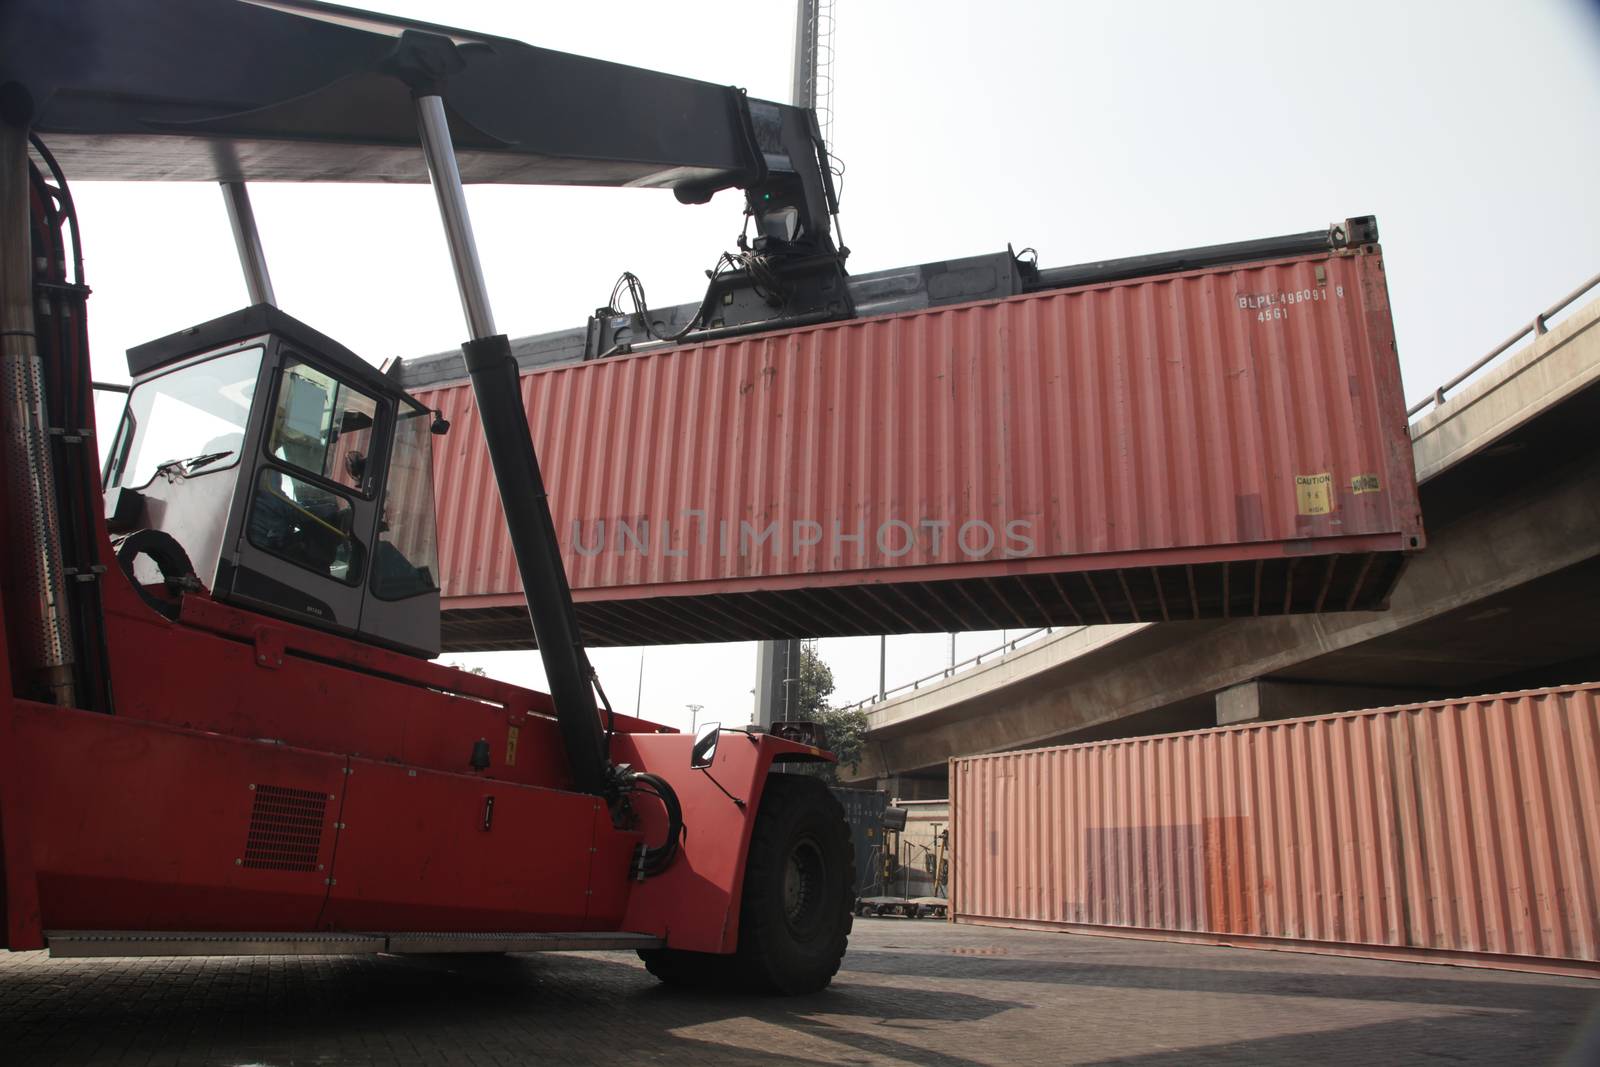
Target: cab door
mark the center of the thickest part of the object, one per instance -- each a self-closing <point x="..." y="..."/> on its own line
<point x="402" y="605"/>
<point x="304" y="520"/>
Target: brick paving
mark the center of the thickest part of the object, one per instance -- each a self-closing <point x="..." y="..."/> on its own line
<point x="911" y="992"/>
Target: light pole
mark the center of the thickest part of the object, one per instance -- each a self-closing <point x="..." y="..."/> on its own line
<point x="694" y="715"/>
<point x="883" y="665"/>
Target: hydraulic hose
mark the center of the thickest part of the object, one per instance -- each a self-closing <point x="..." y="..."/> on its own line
<point x="653" y="860"/>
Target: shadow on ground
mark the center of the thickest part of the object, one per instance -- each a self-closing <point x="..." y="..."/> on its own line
<point x="1453" y="1039"/>
<point x="513" y="1009"/>
<point x="1409" y="986"/>
<point x="952" y="997"/>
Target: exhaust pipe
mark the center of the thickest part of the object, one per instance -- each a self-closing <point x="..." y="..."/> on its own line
<point x="33" y="527"/>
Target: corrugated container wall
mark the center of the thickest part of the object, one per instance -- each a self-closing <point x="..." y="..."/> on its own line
<point x="1464" y="831"/>
<point x="1218" y="442"/>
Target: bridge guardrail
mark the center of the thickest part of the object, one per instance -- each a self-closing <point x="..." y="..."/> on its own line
<point x="1536" y="327"/>
<point x="956" y="668"/>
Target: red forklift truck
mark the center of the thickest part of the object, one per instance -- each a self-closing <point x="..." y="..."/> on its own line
<point x="220" y="729"/>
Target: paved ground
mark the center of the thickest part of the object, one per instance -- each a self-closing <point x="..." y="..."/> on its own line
<point x="911" y="992"/>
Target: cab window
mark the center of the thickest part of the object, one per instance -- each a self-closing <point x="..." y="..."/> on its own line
<point x="324" y="426"/>
<point x="305" y="524"/>
<point x="188" y="422"/>
<point x="406" y="560"/>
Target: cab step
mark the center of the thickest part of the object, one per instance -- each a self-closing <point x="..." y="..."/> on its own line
<point x="81" y="944"/>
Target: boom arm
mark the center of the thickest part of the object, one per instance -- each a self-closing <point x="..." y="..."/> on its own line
<point x="288" y="90"/>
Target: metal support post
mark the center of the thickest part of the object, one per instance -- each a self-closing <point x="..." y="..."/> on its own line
<point x="446" y="179"/>
<point x="247" y="239"/>
<point x="778" y="662"/>
<point x="803" y="72"/>
<point x="791" y="672"/>
<point x="496" y="386"/>
<point x="777" y="673"/>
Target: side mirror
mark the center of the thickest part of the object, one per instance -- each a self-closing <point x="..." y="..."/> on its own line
<point x="705" y="746"/>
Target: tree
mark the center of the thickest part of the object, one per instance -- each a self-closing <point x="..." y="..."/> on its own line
<point x="847" y="728"/>
<point x="813" y="684"/>
<point x="847" y="738"/>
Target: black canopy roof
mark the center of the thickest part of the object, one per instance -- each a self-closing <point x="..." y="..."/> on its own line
<point x="288" y="90"/>
<point x="256" y="321"/>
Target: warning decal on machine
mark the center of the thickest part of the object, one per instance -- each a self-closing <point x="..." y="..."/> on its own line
<point x="1313" y="493"/>
<point x="511" y="746"/>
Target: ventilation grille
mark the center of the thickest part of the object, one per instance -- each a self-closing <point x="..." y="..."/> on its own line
<point x="285" y="829"/>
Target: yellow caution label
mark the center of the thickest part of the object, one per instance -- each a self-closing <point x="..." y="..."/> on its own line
<point x="511" y="745"/>
<point x="1313" y="493"/>
<point x="1365" y="483"/>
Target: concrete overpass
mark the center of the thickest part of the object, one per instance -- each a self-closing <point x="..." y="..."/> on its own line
<point x="1504" y="597"/>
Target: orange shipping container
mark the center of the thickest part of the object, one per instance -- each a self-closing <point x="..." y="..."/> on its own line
<point x="1218" y="442"/>
<point x="1462" y="832"/>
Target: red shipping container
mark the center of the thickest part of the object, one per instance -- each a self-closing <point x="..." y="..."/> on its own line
<point x="1460" y="831"/>
<point x="1212" y="443"/>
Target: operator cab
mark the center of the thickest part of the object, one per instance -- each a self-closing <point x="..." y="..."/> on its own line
<point x="295" y="478"/>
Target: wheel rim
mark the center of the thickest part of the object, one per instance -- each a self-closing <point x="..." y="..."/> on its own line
<point x="805" y="879"/>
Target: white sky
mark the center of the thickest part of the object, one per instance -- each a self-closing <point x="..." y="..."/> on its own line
<point x="1086" y="130"/>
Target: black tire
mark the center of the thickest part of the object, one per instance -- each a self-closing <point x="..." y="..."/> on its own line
<point x="799" y="889"/>
<point x="796" y="910"/>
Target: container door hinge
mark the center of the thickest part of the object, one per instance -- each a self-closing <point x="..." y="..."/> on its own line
<point x="71" y="437"/>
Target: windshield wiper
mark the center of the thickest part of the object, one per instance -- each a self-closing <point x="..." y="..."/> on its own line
<point x="210" y="457"/>
<point x="189" y="466"/>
